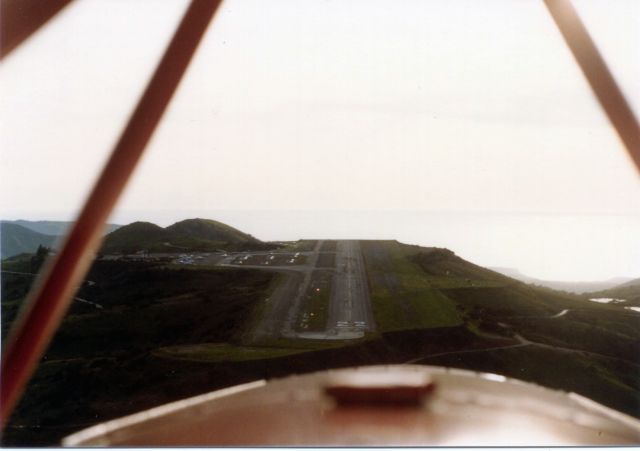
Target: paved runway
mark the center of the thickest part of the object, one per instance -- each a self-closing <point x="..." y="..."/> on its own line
<point x="350" y="312"/>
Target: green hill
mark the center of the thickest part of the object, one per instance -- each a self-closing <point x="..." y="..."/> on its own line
<point x="577" y="287"/>
<point x="135" y="237"/>
<point x="203" y="235"/>
<point x="630" y="283"/>
<point x="629" y="291"/>
<point x="412" y="287"/>
<point x="209" y="230"/>
<point x="443" y="262"/>
<point x="16" y="240"/>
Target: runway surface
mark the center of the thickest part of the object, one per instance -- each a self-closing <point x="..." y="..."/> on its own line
<point x="339" y="263"/>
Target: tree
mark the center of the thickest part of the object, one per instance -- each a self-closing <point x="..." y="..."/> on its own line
<point x="38" y="259"/>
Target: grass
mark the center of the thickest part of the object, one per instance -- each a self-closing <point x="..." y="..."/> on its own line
<point x="304" y="245"/>
<point x="429" y="308"/>
<point x="523" y="300"/>
<point x="100" y="357"/>
<point x="601" y="328"/>
<point x="401" y="293"/>
<point x="631" y="293"/>
<point x="305" y="344"/>
<point x="435" y="309"/>
<point x="223" y="352"/>
<point x="258" y="311"/>
<point x="580" y="335"/>
<point x="15" y="287"/>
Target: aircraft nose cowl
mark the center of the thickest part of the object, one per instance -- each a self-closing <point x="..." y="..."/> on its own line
<point x="391" y="389"/>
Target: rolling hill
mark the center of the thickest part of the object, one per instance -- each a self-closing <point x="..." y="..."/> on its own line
<point x="573" y="287"/>
<point x="629" y="291"/>
<point x="134" y="237"/>
<point x="188" y="235"/>
<point x="629" y="283"/>
<point x="209" y="230"/>
<point x="16" y="239"/>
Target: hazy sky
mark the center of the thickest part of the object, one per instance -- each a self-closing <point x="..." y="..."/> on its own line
<point x="310" y="104"/>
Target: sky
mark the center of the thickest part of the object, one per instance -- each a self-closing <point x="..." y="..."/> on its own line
<point x="356" y="105"/>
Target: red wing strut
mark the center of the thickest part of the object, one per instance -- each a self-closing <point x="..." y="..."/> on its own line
<point x="597" y="73"/>
<point x="19" y="19"/>
<point x="50" y="297"/>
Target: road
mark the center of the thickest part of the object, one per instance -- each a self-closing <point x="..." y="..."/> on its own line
<point x="350" y="313"/>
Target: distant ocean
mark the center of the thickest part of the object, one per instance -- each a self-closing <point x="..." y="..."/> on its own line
<point x="568" y="247"/>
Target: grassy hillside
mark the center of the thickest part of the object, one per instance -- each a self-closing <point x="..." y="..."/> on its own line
<point x="402" y="294"/>
<point x="484" y="298"/>
<point x="630" y="283"/>
<point x="592" y="348"/>
<point x="407" y="284"/>
<point x="16" y="239"/>
<point x="572" y="287"/>
<point x="444" y="269"/>
<point x="101" y="357"/>
<point x="203" y="235"/>
<point x="415" y="287"/>
<point x="136" y="236"/>
<point x="629" y="291"/>
<point x="210" y="230"/>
